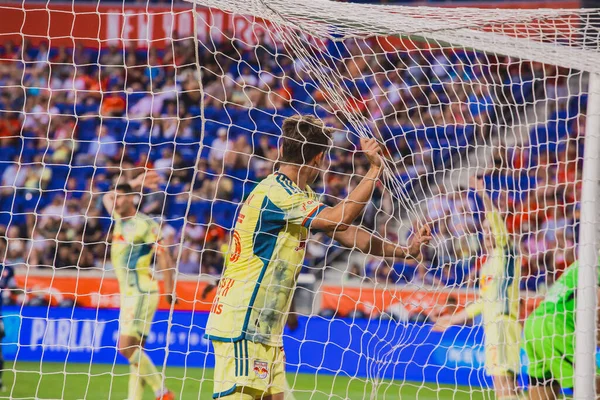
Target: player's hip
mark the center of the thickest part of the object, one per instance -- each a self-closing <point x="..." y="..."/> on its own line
<point x="140" y="299"/>
<point x="248" y="364"/>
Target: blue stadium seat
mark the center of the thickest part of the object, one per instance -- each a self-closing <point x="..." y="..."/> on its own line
<point x="223" y="213"/>
<point x="7" y="153"/>
<point x="81" y="172"/>
<point x="59" y="176"/>
<point x="134" y="97"/>
<point x="176" y="208"/>
<point x="176" y="223"/>
<point x="86" y="128"/>
<point x="116" y="126"/>
<point x="200" y="209"/>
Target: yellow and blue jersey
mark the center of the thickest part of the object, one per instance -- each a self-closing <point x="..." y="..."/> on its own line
<point x="265" y="257"/>
<point x="132" y="251"/>
<point x="499" y="276"/>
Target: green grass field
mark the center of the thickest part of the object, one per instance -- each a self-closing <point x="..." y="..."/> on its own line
<point x="80" y="381"/>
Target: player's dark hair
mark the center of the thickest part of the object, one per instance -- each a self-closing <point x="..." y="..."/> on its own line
<point x="304" y="137"/>
<point x="124" y="187"/>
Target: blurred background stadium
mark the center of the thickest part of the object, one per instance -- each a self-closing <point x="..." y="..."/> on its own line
<point x="92" y="91"/>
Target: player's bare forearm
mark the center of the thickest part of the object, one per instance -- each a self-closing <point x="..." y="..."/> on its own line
<point x="487" y="202"/>
<point x="447" y="321"/>
<point x="365" y="241"/>
<point x="108" y="201"/>
<point x="340" y="217"/>
<point x="478" y="185"/>
<point x="167" y="266"/>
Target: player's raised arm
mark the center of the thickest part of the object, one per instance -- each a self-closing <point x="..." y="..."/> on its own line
<point x="460" y="318"/>
<point x="166" y="265"/>
<point x="367" y="242"/>
<point x="148" y="179"/>
<point x="497" y="225"/>
<point x="340" y="217"/>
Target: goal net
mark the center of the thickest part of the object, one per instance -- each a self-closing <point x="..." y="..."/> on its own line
<point x="481" y="115"/>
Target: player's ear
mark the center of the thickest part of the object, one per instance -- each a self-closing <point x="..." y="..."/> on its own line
<point x="318" y="159"/>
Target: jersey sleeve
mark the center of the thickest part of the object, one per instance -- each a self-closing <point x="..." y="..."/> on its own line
<point x="299" y="208"/>
<point x="474" y="309"/>
<point x="152" y="234"/>
<point x="498" y="228"/>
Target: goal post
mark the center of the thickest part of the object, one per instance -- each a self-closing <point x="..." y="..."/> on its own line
<point x="587" y="300"/>
<point x="196" y="92"/>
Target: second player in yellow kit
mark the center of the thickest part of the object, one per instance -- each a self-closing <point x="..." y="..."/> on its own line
<point x="135" y="244"/>
<point x="132" y="253"/>
<point x="498" y="302"/>
<point x="266" y="254"/>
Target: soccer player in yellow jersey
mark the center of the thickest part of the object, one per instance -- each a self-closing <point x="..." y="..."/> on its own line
<point x="266" y="254"/>
<point x="498" y="301"/>
<point x="135" y="241"/>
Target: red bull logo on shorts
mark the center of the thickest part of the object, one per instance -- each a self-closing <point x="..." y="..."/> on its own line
<point x="261" y="369"/>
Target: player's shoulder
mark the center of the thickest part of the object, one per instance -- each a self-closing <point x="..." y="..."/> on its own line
<point x="144" y="221"/>
<point x="279" y="187"/>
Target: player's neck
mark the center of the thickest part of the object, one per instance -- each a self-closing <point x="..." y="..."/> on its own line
<point x="295" y="174"/>
<point x="128" y="214"/>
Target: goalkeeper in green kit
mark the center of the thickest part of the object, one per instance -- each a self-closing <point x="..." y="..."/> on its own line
<point x="550" y="338"/>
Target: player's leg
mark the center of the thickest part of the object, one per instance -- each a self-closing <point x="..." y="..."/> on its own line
<point x="127" y="347"/>
<point x="545" y="389"/>
<point x="131" y="346"/>
<point x="502" y="359"/>
<point x="505" y="387"/>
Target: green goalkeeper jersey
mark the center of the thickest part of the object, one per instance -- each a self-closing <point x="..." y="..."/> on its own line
<point x="559" y="302"/>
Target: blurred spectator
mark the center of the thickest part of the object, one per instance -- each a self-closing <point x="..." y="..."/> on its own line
<point x="425" y="104"/>
<point x="16" y="252"/>
<point x="164" y="164"/>
<point x="354" y="273"/>
<point x="100" y="150"/>
<point x="218" y="149"/>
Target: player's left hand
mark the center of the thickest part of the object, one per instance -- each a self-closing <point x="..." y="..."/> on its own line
<point x="148" y="179"/>
<point x="292" y="321"/>
<point x="421" y="237"/>
<point x="172" y="298"/>
<point x="372" y="151"/>
<point x="476" y="183"/>
<point x="443" y="323"/>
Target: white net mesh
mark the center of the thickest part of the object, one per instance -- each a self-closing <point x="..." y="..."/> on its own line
<point x="95" y="95"/>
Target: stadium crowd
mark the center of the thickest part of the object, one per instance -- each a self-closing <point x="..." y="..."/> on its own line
<point x="75" y="120"/>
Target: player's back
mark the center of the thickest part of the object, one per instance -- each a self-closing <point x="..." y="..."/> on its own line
<point x="266" y="254"/>
<point x="132" y="251"/>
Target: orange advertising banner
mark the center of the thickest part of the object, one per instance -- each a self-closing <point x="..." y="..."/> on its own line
<point x="373" y="301"/>
<point x="97" y="290"/>
<point x="103" y="292"/>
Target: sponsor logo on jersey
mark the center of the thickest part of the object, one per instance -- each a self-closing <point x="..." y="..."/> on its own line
<point x="236" y="248"/>
<point x="261" y="369"/>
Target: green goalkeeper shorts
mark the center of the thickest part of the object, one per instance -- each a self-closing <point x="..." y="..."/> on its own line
<point x="550" y="351"/>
